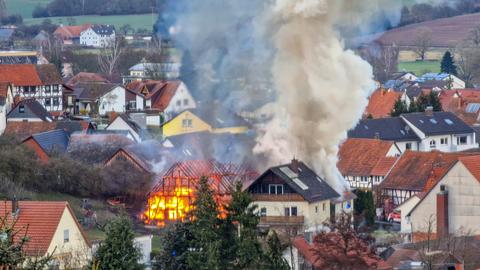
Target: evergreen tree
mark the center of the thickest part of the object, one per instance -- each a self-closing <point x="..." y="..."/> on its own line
<point x="274" y="258"/>
<point x="430" y="100"/>
<point x="413" y="107"/>
<point x="205" y="246"/>
<point x="175" y="243"/>
<point x="118" y="250"/>
<point x="241" y="212"/>
<point x="448" y="64"/>
<point x="398" y="108"/>
<point x="364" y="206"/>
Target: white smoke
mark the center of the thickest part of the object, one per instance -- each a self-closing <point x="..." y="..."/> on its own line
<point x="322" y="87"/>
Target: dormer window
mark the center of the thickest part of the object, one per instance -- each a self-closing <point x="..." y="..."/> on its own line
<point x="21" y="109"/>
<point x="433" y="144"/>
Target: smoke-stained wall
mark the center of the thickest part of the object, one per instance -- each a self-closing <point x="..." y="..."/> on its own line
<point x="289" y="51"/>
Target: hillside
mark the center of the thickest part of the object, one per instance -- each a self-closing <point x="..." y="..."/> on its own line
<point x="445" y="32"/>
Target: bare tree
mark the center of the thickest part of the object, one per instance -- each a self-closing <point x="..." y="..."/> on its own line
<point x="474" y="36"/>
<point x="384" y="60"/>
<point x="468" y="62"/>
<point x="109" y="56"/>
<point x="422" y="42"/>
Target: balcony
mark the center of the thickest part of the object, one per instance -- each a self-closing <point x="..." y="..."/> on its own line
<point x="282" y="221"/>
<point x="277" y="198"/>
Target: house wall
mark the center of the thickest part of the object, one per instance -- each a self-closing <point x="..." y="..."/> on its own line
<point x="90" y="38"/>
<point x="181" y="101"/>
<point x="144" y="244"/>
<point x="405" y="209"/>
<point x="35" y="147"/>
<point x="76" y="247"/>
<point x="140" y="102"/>
<point x="113" y="101"/>
<point x="176" y="125"/>
<point x="450" y="146"/>
<point x="463" y="203"/>
<point x="402" y="146"/>
<point x="42" y="94"/>
<point x="119" y="124"/>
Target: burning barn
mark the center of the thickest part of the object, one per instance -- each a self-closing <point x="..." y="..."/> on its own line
<point x="173" y="196"/>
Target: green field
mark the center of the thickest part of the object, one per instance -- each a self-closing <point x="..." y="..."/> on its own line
<point x="420" y="67"/>
<point x="142" y="21"/>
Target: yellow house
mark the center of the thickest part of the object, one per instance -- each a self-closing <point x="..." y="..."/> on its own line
<point x="190" y="121"/>
<point x="52" y="229"/>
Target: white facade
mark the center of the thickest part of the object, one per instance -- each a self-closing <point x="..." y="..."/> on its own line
<point x="120" y="124"/>
<point x="5" y="109"/>
<point x="113" y="101"/>
<point x="144" y="244"/>
<point x="92" y="39"/>
<point x="181" y="101"/>
<point x="50" y="96"/>
<point x="463" y="203"/>
<point x="404" y="210"/>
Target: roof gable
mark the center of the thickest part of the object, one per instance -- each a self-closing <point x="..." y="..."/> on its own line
<point x="55" y="141"/>
<point x="32" y="109"/>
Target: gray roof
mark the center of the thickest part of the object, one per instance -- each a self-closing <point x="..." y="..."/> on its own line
<point x="32" y="109"/>
<point x="306" y="183"/>
<point x="55" y="141"/>
<point x="219" y="117"/>
<point x="438" y="123"/>
<point x="92" y="91"/>
<point x="389" y="129"/>
<point x="103" y="29"/>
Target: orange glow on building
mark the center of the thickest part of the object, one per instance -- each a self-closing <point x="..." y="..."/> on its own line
<point x="173" y="197"/>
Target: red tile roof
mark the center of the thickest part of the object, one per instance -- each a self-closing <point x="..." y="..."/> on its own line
<point x="86" y="77"/>
<point x="419" y="171"/>
<point x="20" y="75"/>
<point x="22" y="130"/>
<point x="365" y="157"/>
<point x="159" y="92"/>
<point x="381" y="103"/>
<point x="473" y="165"/>
<point x="69" y="32"/>
<point x="39" y="220"/>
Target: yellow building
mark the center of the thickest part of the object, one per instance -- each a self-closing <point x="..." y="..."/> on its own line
<point x="190" y="121"/>
<point x="52" y="229"/>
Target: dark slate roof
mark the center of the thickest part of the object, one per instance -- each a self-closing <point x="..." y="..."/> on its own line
<point x="35" y="108"/>
<point x="439" y="123"/>
<point x="102" y="29"/>
<point x="70" y="126"/>
<point x="388" y="129"/>
<point x="92" y="91"/>
<point x="53" y="141"/>
<point x="219" y="117"/>
<point x="318" y="189"/>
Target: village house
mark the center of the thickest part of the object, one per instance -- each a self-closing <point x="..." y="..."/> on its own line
<point x="22" y="130"/>
<point x="364" y="163"/>
<point x="103" y="98"/>
<point x="163" y="98"/>
<point x="41" y="82"/>
<point x="414" y="173"/>
<point x="70" y="35"/>
<point x="427" y="131"/>
<point x="293" y="196"/>
<point x="29" y="110"/>
<point x="205" y="120"/>
<point x="21" y="57"/>
<point x="450" y="206"/>
<point x="453" y="82"/>
<point x="151" y="71"/>
<point x="51" y="228"/>
<point x="123" y="122"/>
<point x="464" y="103"/>
<point x="381" y="103"/>
<point x="48" y="143"/>
<point x="98" y="35"/>
<point x="6" y="103"/>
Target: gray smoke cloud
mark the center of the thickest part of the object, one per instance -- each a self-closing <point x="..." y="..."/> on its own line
<point x="291" y="52"/>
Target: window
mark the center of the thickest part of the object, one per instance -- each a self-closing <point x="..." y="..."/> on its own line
<point x="187" y="123"/>
<point x="21" y="109"/>
<point x="48" y="102"/>
<point x="462" y="140"/>
<point x="70" y="100"/>
<point x="55" y="88"/>
<point x="287" y="211"/>
<point x="48" y="90"/>
<point x="55" y="101"/>
<point x="263" y="212"/>
<point x="185" y="102"/>
<point x="179" y="103"/>
<point x="132" y="105"/>
<point x="444" y="141"/>
<point x="316" y="209"/>
<point x="324" y="206"/>
<point x="408" y="146"/>
<point x="433" y="144"/>
<point x="66" y="236"/>
<point x="293" y="211"/>
<point x="275" y="189"/>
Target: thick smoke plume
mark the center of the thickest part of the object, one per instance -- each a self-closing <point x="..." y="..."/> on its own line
<point x="296" y="47"/>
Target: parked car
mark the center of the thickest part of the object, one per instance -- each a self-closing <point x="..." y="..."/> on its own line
<point x="394" y="216"/>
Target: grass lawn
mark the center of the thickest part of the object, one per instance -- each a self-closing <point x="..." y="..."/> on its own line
<point x="420" y="67"/>
<point x="139" y="21"/>
<point x="24" y="7"/>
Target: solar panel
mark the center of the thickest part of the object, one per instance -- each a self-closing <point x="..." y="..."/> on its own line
<point x="448" y="121"/>
<point x="421" y="121"/>
<point x="472" y="108"/>
<point x="433" y="121"/>
<point x="300" y="183"/>
<point x="288" y="172"/>
<point x="403" y="132"/>
<point x="366" y="127"/>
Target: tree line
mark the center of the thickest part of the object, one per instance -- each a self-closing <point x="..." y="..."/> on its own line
<point x="94" y="7"/>
<point x="419" y="105"/>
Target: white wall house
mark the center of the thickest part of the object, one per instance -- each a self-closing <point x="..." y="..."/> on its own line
<point x="182" y="100"/>
<point x="98" y="36"/>
<point x="124" y="123"/>
<point x="6" y="103"/>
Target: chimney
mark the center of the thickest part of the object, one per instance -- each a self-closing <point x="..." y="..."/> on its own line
<point x="429" y="111"/>
<point x="442" y="212"/>
<point x="15" y="208"/>
<point x="295" y="165"/>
